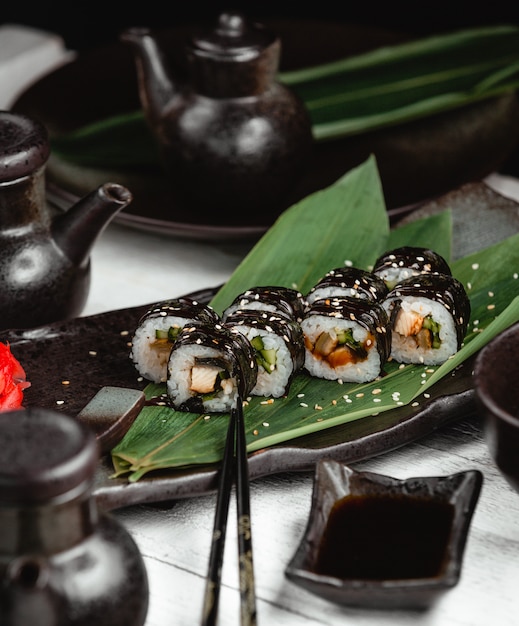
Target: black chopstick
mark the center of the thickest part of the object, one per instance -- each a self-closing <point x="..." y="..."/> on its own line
<point x="234" y="466"/>
<point x="212" y="589"/>
<point x="246" y="565"/>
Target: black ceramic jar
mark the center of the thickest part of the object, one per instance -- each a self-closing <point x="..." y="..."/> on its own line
<point x="63" y="562"/>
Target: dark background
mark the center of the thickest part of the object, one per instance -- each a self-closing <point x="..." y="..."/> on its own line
<point x="89" y="24"/>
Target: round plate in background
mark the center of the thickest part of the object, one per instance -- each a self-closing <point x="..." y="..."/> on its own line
<point x="417" y="160"/>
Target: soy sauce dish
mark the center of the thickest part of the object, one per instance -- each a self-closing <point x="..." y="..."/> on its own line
<point x="381" y="542"/>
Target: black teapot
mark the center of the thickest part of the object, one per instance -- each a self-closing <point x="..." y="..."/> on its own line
<point x="44" y="255"/>
<point x="232" y="139"/>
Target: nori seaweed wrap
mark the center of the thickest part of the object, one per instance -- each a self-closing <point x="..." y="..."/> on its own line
<point x="429" y="316"/>
<point x="279" y="345"/>
<point x="285" y="300"/>
<point x="402" y="263"/>
<point x="346" y="338"/>
<point x="209" y="367"/>
<point x="348" y="281"/>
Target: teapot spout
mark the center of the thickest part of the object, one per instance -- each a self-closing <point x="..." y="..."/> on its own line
<point x="75" y="231"/>
<point x="154" y="82"/>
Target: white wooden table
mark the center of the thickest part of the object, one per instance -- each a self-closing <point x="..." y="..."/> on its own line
<point x="132" y="268"/>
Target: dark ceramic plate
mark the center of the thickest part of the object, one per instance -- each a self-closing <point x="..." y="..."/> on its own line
<point x="92" y="352"/>
<point x="398" y="579"/>
<point x="417" y="161"/>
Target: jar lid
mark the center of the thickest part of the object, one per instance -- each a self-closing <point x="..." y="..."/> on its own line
<point x="233" y="37"/>
<point x="24" y="146"/>
<point x="44" y="456"/>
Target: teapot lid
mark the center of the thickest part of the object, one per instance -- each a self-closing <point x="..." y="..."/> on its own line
<point x="24" y="146"/>
<point x="45" y="456"/>
<point x="233" y="38"/>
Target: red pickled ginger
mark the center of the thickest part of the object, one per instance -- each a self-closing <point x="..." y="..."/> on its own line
<point x="12" y="380"/>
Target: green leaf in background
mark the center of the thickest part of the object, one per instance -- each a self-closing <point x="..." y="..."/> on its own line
<point x="388" y="86"/>
<point x="397" y="84"/>
<point x="314" y="236"/>
<point x="162" y="438"/>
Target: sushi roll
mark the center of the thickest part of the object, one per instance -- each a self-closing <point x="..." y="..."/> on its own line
<point x="407" y="261"/>
<point x="428" y="316"/>
<point x="348" y="281"/>
<point x="209" y="367"/>
<point x="156" y="332"/>
<point x="346" y="339"/>
<point x="278" y="344"/>
<point x="285" y="300"/>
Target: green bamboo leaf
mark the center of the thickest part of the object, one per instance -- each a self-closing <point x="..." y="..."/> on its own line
<point x="122" y="140"/>
<point x="314" y="405"/>
<point x="420" y="233"/>
<point x="314" y="236"/>
<point x="161" y="438"/>
<point x="466" y="43"/>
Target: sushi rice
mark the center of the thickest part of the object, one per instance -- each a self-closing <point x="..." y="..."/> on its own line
<point x="279" y="345"/>
<point x="405" y="348"/>
<point x="327" y="320"/>
<point x="149" y="353"/>
<point x="209" y="368"/>
<point x="428" y="317"/>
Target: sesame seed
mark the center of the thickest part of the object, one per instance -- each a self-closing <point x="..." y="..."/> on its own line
<point x="124" y="333"/>
<point x="65" y="382"/>
<point x="255" y="432"/>
<point x="60" y="401"/>
<point x="475" y="266"/>
<point x="303" y="404"/>
<point x="490" y="307"/>
<point x="376" y="391"/>
<point x="92" y="353"/>
<point x="317" y="407"/>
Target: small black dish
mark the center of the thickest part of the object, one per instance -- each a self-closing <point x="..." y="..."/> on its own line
<point x="497" y="397"/>
<point x="381" y="542"/>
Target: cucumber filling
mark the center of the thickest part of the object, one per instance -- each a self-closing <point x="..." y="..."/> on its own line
<point x="169" y="334"/>
<point x="265" y="357"/>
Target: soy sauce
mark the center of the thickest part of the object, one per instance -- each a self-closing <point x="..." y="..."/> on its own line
<point x="378" y="537"/>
